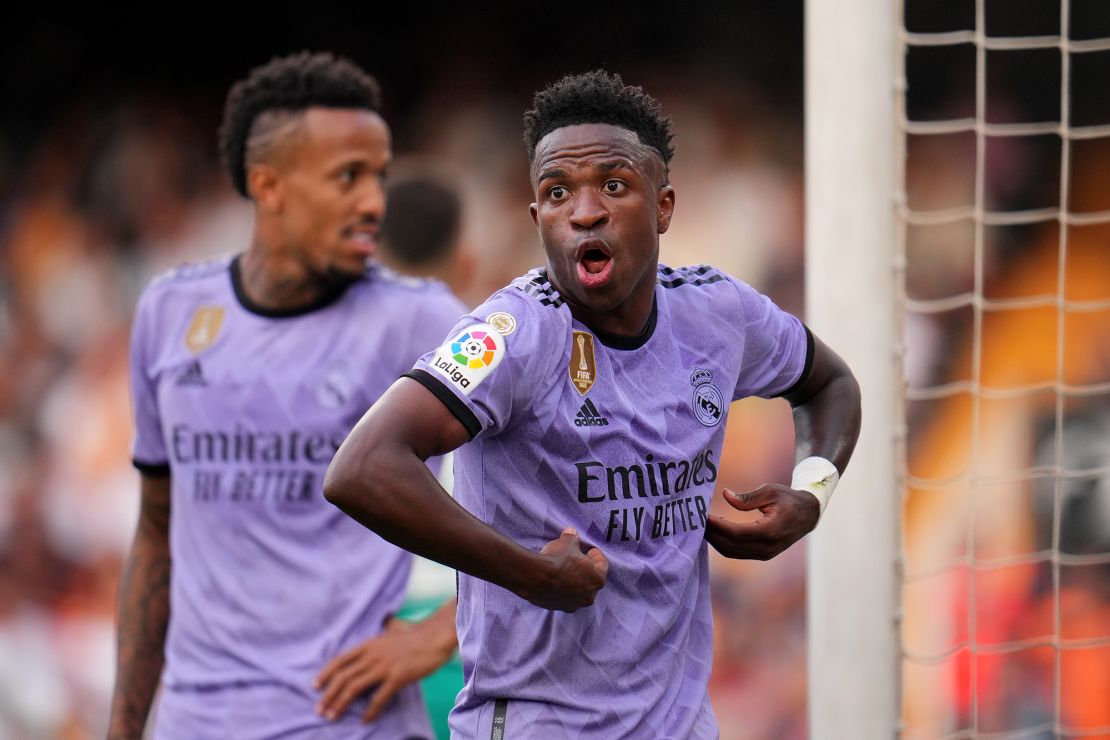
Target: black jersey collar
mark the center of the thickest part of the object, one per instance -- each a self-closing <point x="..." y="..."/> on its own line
<point x="623" y="341"/>
<point x="329" y="297"/>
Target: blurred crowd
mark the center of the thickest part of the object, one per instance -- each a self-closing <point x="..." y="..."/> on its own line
<point x="1008" y="549"/>
<point x="109" y="197"/>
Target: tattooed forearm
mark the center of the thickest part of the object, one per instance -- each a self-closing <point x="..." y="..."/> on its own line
<point x="144" y="610"/>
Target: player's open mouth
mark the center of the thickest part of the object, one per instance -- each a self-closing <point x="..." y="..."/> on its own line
<point x="365" y="239"/>
<point x="594" y="263"/>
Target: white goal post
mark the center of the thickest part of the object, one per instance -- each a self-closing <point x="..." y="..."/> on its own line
<point x="851" y="177"/>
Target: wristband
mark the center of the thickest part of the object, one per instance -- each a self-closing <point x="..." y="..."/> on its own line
<point x="818" y="476"/>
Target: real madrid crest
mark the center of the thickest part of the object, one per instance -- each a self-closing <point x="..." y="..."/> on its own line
<point x="707" y="402"/>
<point x="583" y="368"/>
<point x="204" y="329"/>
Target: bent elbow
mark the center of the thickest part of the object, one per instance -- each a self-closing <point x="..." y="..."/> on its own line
<point x="342" y="482"/>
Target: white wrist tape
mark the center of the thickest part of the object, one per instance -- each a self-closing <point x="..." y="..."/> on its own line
<point x="818" y="476"/>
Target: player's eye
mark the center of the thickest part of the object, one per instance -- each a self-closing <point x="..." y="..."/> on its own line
<point x="347" y="175"/>
<point x="614" y="186"/>
<point x="557" y="192"/>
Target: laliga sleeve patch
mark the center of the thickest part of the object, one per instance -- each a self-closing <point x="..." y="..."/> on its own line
<point x="469" y="356"/>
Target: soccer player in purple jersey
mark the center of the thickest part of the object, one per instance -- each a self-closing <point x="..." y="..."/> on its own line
<point x="260" y="609"/>
<point x="588" y="402"/>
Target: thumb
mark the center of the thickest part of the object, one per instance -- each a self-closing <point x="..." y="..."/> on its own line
<point x="749" y="501"/>
<point x="569" y="535"/>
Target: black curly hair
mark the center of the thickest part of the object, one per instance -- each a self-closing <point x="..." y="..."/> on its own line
<point x="289" y="84"/>
<point x="598" y="97"/>
<point x="422" y="221"/>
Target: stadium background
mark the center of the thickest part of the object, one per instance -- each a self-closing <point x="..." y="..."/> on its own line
<point x="109" y="174"/>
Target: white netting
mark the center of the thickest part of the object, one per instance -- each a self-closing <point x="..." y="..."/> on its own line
<point x="1004" y="219"/>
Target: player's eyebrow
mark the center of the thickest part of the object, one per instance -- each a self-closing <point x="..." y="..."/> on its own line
<point x="614" y="165"/>
<point x="549" y="174"/>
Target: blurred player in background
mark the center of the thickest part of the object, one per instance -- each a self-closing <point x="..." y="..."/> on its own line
<point x="593" y="394"/>
<point x="422" y="236"/>
<point x="261" y="609"/>
<point x="422" y="232"/>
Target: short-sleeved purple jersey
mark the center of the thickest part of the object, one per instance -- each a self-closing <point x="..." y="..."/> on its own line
<point x="244" y="408"/>
<point x="621" y="438"/>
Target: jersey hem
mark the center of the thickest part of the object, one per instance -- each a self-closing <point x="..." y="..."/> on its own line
<point x="806" y="368"/>
<point x="449" y="399"/>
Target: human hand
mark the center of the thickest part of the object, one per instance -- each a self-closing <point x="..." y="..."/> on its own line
<point x="574" y="577"/>
<point x="403" y="653"/>
<point x="787" y="516"/>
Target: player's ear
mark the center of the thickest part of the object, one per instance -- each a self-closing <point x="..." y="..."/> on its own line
<point x="265" y="187"/>
<point x="534" y="212"/>
<point x="665" y="205"/>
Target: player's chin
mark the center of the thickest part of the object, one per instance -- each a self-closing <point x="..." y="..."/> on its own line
<point x="348" y="270"/>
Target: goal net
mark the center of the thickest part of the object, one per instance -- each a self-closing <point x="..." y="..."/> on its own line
<point x="992" y="613"/>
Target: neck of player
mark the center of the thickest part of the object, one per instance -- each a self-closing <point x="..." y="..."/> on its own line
<point x="280" y="282"/>
<point x="628" y="318"/>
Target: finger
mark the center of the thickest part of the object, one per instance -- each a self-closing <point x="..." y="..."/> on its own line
<point x="597" y="557"/>
<point x="334" y="665"/>
<point x="346" y="684"/>
<point x="351" y="690"/>
<point x="749" y="501"/>
<point x="731" y="549"/>
<point x="758" y="531"/>
<point x="379" y="701"/>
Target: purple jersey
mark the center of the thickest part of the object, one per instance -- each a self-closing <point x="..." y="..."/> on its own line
<point x="244" y="408"/>
<point x="621" y="438"/>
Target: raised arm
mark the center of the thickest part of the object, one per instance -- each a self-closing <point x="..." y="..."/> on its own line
<point x="826" y="425"/>
<point x="378" y="477"/>
<point x="144" y="612"/>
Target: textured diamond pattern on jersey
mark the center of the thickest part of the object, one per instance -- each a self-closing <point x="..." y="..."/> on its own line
<point x="270" y="581"/>
<point x="632" y="467"/>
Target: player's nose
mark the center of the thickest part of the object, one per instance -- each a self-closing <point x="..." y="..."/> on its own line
<point x="371" y="199"/>
<point x="588" y="210"/>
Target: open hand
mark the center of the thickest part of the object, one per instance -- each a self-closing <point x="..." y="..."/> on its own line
<point x="574" y="577"/>
<point x="403" y="653"/>
<point x="787" y="516"/>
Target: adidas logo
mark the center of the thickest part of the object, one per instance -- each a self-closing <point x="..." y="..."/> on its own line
<point x="192" y="375"/>
<point x="589" y="416"/>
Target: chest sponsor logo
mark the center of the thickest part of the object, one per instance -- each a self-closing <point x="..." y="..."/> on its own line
<point x="650" y="498"/>
<point x="467" y="358"/>
<point x="707" y="402"/>
<point x="583" y="367"/>
<point x="244" y="466"/>
<point x="204" y="328"/>
<point x="589" y="416"/>
<point x="504" y="323"/>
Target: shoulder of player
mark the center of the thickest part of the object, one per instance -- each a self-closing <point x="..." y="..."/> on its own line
<point x="686" y="279"/>
<point x="379" y="277"/>
<point x="190" y="281"/>
<point x="525" y="325"/>
<point x="538" y="290"/>
<point x="530" y="306"/>
<point x="695" y="284"/>
<point x="422" y="294"/>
